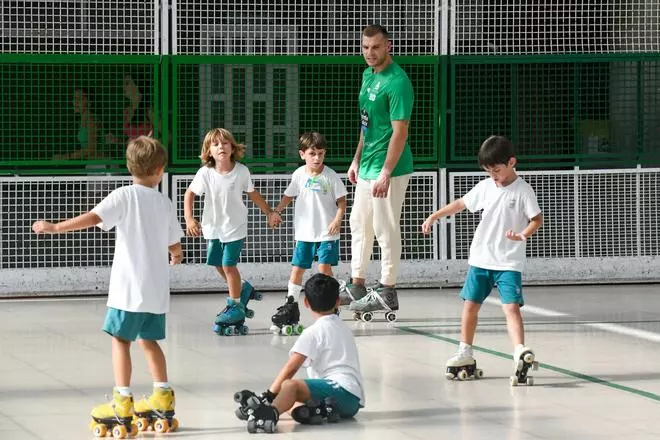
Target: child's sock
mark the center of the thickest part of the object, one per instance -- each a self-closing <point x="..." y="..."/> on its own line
<point x="161" y="385"/>
<point x="294" y="290"/>
<point x="236" y="300"/>
<point x="124" y="391"/>
<point x="463" y="347"/>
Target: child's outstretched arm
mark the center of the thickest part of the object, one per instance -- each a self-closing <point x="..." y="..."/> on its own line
<point x="192" y="225"/>
<point x="450" y="209"/>
<point x="335" y="226"/>
<point x="533" y="226"/>
<point x="83" y="221"/>
<point x="272" y="217"/>
<point x="176" y="253"/>
<point x="296" y="360"/>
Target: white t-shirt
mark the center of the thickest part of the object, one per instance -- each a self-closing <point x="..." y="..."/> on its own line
<point x="331" y="354"/>
<point x="225" y="216"/>
<point x="146" y="226"/>
<point x="509" y="207"/>
<point x="316" y="203"/>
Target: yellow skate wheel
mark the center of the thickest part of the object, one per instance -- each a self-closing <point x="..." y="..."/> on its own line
<point x="175" y="425"/>
<point x="119" y="431"/>
<point x="99" y="430"/>
<point x="142" y="424"/>
<point x="134" y="430"/>
<point x="161" y="426"/>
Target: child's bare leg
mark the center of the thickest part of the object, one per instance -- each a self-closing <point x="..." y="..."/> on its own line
<point x="233" y="278"/>
<point x="221" y="271"/>
<point x="121" y="362"/>
<point x="155" y="360"/>
<point x="469" y="321"/>
<point x="296" y="275"/>
<point x="514" y="323"/>
<point x="292" y="391"/>
<point x="325" y="269"/>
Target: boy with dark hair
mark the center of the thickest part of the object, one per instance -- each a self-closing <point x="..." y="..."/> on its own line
<point x="327" y="349"/>
<point x="511" y="215"/>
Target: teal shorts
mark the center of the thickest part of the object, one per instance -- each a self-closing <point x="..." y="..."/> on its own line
<point x="130" y="326"/>
<point x="479" y="283"/>
<point x="305" y="251"/>
<point x="347" y="404"/>
<point x="224" y="254"/>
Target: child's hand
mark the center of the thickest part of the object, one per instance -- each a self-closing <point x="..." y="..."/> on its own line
<point x="427" y="226"/>
<point x="192" y="228"/>
<point x="42" y="227"/>
<point x="273" y="219"/>
<point x="334" y="227"/>
<point x="176" y="259"/>
<point x="515" y="236"/>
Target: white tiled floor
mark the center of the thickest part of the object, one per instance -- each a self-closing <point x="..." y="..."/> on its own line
<point x="600" y="375"/>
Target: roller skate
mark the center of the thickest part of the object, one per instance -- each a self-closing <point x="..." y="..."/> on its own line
<point x="242" y="397"/>
<point x="157" y="412"/>
<point x="350" y="292"/>
<point x="286" y="319"/>
<point x="462" y="366"/>
<point x="114" y="418"/>
<point x="523" y="360"/>
<point x="247" y="293"/>
<point x="383" y="299"/>
<point x="316" y="412"/>
<point x="231" y="321"/>
<point x="261" y="417"/>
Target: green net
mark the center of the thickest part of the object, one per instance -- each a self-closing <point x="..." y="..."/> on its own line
<point x="68" y="114"/>
<point x="268" y="106"/>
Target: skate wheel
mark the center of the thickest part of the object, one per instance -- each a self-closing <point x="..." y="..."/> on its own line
<point x="269" y="426"/>
<point x="357" y="316"/>
<point x="161" y="426"/>
<point x="390" y="316"/>
<point x="287" y="330"/>
<point x="249" y="313"/>
<point x="228" y="331"/>
<point x="367" y="316"/>
<point x="243" y="330"/>
<point x="142" y="424"/>
<point x="216" y="329"/>
<point x="530" y="381"/>
<point x="175" y="425"/>
<point x="298" y="329"/>
<point x="449" y="376"/>
<point x="240" y="414"/>
<point x="528" y="358"/>
<point x="134" y="430"/>
<point x="119" y="431"/>
<point x="535" y="365"/>
<point x="258" y="296"/>
<point x="99" y="430"/>
<point x="513" y="380"/>
<point x="462" y="375"/>
<point x="478" y="373"/>
<point x="274" y="329"/>
<point x="252" y="426"/>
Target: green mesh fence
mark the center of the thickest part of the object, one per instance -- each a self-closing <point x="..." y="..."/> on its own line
<point x="267" y="106"/>
<point x="559" y="112"/>
<point x="62" y="113"/>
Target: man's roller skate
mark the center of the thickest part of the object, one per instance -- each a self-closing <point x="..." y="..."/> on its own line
<point x="316" y="412"/>
<point x="247" y="293"/>
<point x="231" y="321"/>
<point x="286" y="319"/>
<point x="242" y="397"/>
<point x="114" y="418"/>
<point x="523" y="360"/>
<point x="157" y="412"/>
<point x="350" y="292"/>
<point x="462" y="366"/>
<point x="262" y="417"/>
<point x="383" y="299"/>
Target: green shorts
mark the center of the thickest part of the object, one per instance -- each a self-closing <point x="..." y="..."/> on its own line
<point x="130" y="326"/>
<point x="224" y="254"/>
<point x="479" y="282"/>
<point x="347" y="404"/>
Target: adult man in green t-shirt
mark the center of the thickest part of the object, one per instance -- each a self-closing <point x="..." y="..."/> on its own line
<point x="381" y="169"/>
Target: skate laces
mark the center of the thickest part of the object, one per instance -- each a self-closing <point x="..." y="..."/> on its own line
<point x="160" y="414"/>
<point x="374" y="296"/>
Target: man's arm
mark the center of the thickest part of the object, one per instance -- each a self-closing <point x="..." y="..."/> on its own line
<point x="355" y="164"/>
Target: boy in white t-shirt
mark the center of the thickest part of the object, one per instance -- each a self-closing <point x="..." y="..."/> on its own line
<point x="139" y="294"/>
<point x="320" y="207"/>
<point x="327" y="349"/>
<point x="222" y="180"/>
<point x="510" y="216"/>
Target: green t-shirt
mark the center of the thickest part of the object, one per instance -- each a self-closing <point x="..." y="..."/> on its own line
<point x="384" y="97"/>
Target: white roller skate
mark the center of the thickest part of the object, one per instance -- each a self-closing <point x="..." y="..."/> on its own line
<point x="523" y="361"/>
<point x="463" y="366"/>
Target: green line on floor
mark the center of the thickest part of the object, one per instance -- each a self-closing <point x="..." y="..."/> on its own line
<point x="560" y="370"/>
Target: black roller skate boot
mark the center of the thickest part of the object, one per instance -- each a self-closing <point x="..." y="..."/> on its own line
<point x="286" y="319"/>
